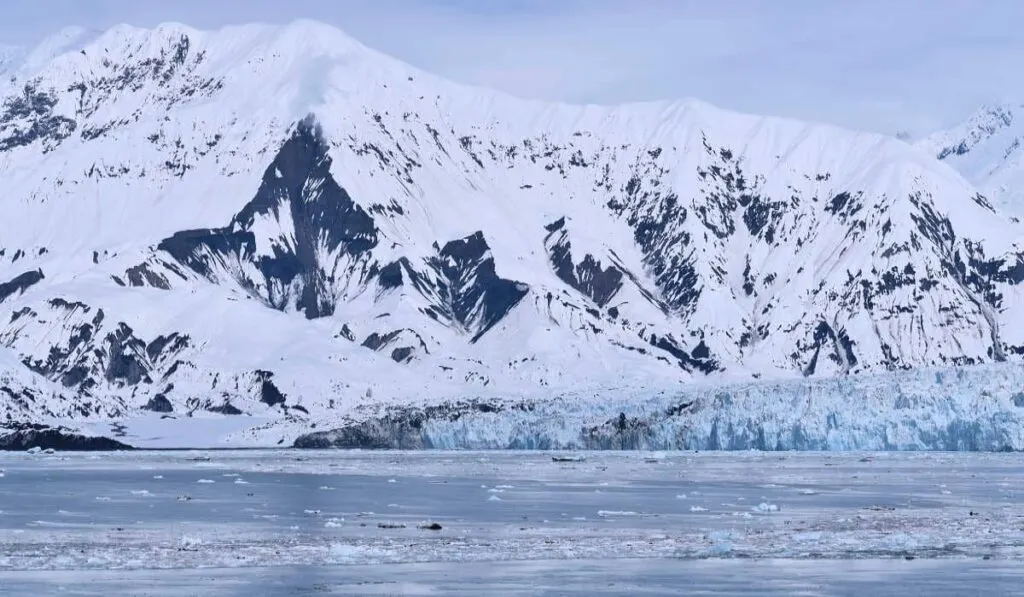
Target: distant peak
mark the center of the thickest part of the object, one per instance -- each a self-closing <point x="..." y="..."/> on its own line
<point x="987" y="122"/>
<point x="302" y="31"/>
<point x="68" y="39"/>
<point x="67" y="34"/>
<point x="313" y="26"/>
<point x="1001" y="114"/>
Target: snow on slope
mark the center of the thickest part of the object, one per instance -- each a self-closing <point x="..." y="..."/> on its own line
<point x="988" y="149"/>
<point x="281" y="223"/>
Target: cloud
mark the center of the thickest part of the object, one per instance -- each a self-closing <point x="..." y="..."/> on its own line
<point x="875" y="64"/>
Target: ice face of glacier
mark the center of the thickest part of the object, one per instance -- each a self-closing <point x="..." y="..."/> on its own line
<point x="974" y="409"/>
<point x="191" y="216"/>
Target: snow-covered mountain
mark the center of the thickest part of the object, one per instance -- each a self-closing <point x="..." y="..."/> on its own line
<point x="277" y="224"/>
<point x="988" y="150"/>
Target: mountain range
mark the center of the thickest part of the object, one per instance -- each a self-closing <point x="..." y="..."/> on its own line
<point x="272" y="228"/>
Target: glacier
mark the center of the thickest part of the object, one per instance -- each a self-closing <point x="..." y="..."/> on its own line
<point x="964" y="409"/>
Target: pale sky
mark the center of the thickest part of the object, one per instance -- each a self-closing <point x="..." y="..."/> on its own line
<point x="884" y="65"/>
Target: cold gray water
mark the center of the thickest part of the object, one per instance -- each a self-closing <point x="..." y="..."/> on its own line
<point x="477" y="523"/>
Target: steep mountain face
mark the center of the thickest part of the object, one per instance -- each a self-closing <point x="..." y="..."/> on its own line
<point x="988" y="150"/>
<point x="278" y="222"/>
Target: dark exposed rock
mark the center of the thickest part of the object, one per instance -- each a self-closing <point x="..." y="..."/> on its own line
<point x="225" y="409"/>
<point x="298" y="181"/>
<point x="19" y="283"/>
<point x="159" y="404"/>
<point x="700" y="359"/>
<point x="269" y="394"/>
<point x="126" y="363"/>
<point x="599" y="284"/>
<point x="87" y="357"/>
<point x="75" y="376"/>
<point x="461" y="285"/>
<point x="375" y="341"/>
<point x="400" y="354"/>
<point x="402" y="429"/>
<point x="390" y="276"/>
<point x="38" y="436"/>
<point x="386" y="434"/>
<point x="142" y="275"/>
<point x="837" y="344"/>
<point x="163" y="346"/>
<point x="468" y="290"/>
<point x="29" y="117"/>
<point x="657" y="218"/>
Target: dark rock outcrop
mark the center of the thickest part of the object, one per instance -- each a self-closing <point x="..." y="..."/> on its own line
<point x="322" y="216"/>
<point x="598" y="283"/>
<point x="38" y="436"/>
<point x="19" y="283"/>
<point x="159" y="404"/>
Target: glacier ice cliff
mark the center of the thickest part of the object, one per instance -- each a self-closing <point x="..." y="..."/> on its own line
<point x="964" y="409"/>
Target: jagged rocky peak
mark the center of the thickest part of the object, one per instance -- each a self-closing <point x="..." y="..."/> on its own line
<point x="988" y="150"/>
<point x="979" y="128"/>
<point x="299" y="180"/>
<point x="288" y="243"/>
<point x="74" y="46"/>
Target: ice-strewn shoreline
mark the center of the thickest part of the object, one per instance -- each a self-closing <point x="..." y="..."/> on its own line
<point x="965" y="409"/>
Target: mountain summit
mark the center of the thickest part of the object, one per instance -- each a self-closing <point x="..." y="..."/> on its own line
<point x="988" y="149"/>
<point x="282" y="223"/>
